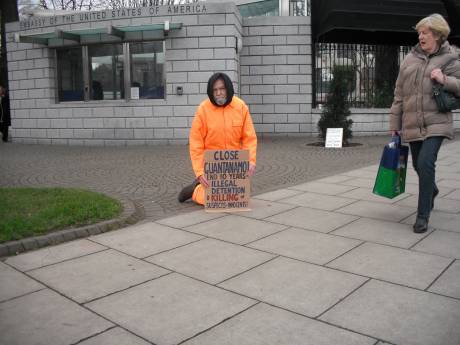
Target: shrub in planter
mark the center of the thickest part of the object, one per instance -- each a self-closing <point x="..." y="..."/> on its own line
<point x="336" y="109"/>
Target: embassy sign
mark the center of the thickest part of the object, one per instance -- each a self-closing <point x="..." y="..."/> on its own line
<point x="122" y="13"/>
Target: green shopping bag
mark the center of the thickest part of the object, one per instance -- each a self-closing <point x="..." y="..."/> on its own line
<point x="391" y="176"/>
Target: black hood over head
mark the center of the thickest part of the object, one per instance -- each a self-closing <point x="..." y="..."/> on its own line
<point x="228" y="85"/>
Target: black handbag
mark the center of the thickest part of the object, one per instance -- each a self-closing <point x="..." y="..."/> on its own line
<point x="446" y="101"/>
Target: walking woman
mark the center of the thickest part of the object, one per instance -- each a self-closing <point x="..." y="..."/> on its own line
<point x="414" y="113"/>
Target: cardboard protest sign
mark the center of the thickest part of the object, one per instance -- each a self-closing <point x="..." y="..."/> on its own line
<point x="229" y="185"/>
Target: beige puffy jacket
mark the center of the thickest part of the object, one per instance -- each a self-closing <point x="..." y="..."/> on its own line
<point x="414" y="110"/>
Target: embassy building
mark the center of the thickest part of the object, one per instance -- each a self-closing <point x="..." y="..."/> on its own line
<point x="136" y="75"/>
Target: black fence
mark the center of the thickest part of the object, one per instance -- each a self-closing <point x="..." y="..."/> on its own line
<point x="299" y="8"/>
<point x="372" y="71"/>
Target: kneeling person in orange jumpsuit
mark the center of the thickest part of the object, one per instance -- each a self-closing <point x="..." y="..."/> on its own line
<point x="222" y="122"/>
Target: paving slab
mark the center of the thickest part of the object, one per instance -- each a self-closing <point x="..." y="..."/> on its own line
<point x="310" y="219"/>
<point x="14" y="283"/>
<point x="145" y="239"/>
<point x="395" y="265"/>
<point x="443" y="243"/>
<point x="440" y="204"/>
<point x="54" y="254"/>
<point x="412" y="189"/>
<point x="362" y="173"/>
<point x="277" y="194"/>
<point x="318" y="201"/>
<point x="399" y="315"/>
<point x="449" y="282"/>
<point x="297" y="286"/>
<point x="359" y="182"/>
<point x="449" y="183"/>
<point x="236" y="229"/>
<point x="210" y="260"/>
<point x="115" y="336"/>
<point x="261" y="209"/>
<point x="440" y="220"/>
<point x="310" y="246"/>
<point x="46" y="318"/>
<point x="448" y="172"/>
<point x="96" y="275"/>
<point x="366" y="194"/>
<point x="446" y="160"/>
<point x="322" y="188"/>
<point x="266" y="325"/>
<point x="170" y="309"/>
<point x="444" y="191"/>
<point x="334" y="179"/>
<point x="377" y="210"/>
<point x="411" y="176"/>
<point x="454" y="194"/>
<point x="191" y="218"/>
<point x="379" y="231"/>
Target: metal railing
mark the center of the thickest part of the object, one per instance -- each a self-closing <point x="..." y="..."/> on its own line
<point x="371" y="71"/>
<point x="299" y="8"/>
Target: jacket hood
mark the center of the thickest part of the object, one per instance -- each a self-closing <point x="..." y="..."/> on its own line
<point x="228" y="85"/>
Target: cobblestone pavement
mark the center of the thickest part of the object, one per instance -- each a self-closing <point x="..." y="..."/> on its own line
<point x="152" y="176"/>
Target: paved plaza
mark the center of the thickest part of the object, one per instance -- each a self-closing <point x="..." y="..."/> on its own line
<point x="318" y="260"/>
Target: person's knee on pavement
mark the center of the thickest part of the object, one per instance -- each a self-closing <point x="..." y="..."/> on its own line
<point x="199" y="194"/>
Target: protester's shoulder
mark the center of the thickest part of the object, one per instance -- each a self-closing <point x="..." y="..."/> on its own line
<point x="204" y="104"/>
<point x="238" y="103"/>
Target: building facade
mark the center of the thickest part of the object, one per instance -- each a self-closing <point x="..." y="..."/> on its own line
<point x="136" y="76"/>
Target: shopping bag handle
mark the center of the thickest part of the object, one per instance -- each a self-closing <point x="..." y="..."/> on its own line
<point x="396" y="139"/>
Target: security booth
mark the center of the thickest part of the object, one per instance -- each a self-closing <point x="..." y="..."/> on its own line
<point x="107" y="63"/>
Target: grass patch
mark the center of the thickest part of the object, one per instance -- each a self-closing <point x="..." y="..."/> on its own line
<point x="26" y="212"/>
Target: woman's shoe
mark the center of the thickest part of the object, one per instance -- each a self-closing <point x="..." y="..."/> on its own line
<point x="421" y="225"/>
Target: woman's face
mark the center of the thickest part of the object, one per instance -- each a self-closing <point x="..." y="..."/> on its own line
<point x="428" y="41"/>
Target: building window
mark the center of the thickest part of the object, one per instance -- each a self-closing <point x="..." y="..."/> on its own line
<point x="104" y="72"/>
<point x="70" y="76"/>
<point x="147" y="69"/>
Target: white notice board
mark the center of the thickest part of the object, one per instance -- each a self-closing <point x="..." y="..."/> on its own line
<point x="334" y="137"/>
<point x="134" y="93"/>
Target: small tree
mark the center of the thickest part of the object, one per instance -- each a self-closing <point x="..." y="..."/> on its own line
<point x="336" y="109"/>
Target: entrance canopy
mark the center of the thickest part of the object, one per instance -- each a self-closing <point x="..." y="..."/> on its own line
<point x="379" y="22"/>
<point x="100" y="35"/>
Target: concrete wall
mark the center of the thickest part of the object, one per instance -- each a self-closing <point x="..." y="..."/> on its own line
<point x="205" y="44"/>
<point x="276" y="74"/>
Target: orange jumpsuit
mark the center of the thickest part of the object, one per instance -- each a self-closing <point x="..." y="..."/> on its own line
<point x="220" y="128"/>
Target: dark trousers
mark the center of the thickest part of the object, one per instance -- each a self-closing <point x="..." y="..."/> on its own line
<point x="424" y="156"/>
<point x="4" y="130"/>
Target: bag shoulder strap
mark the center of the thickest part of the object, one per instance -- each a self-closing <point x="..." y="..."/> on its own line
<point x="447" y="63"/>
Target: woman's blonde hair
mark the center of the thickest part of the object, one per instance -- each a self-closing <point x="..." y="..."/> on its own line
<point x="437" y="24"/>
